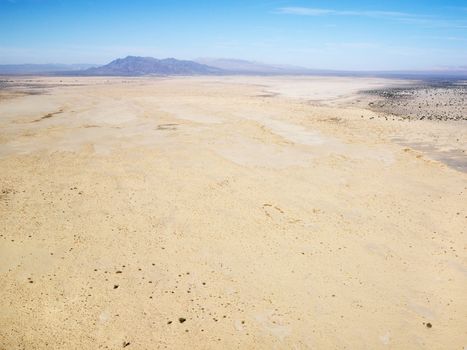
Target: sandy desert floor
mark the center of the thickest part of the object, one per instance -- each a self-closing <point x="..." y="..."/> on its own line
<point x="227" y="213"/>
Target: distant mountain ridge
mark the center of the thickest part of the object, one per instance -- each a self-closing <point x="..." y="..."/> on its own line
<point x="43" y="68"/>
<point x="147" y="66"/>
<point x="243" y="66"/>
<point x="138" y="66"/>
<point x="238" y="66"/>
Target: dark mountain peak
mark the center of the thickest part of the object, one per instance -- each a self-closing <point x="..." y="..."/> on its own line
<point x="137" y="66"/>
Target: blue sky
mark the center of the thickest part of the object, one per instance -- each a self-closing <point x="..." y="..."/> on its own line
<point x="358" y="35"/>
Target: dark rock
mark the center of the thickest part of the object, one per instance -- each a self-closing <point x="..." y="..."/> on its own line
<point x="137" y="66"/>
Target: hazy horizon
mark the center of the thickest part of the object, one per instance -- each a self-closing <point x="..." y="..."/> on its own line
<point x="338" y="35"/>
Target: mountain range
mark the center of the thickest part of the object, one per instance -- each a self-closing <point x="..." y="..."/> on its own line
<point x="244" y="66"/>
<point x="143" y="66"/>
<point x="43" y="68"/>
<point x="137" y="66"/>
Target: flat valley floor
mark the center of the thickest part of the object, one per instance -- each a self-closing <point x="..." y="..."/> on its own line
<point x="227" y="213"/>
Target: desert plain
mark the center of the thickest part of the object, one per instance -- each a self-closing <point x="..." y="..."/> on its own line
<point x="228" y="213"/>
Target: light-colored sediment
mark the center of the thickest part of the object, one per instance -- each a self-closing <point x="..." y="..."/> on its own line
<point x="265" y="220"/>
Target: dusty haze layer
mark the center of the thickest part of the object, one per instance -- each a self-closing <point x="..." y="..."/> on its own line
<point x="227" y="213"/>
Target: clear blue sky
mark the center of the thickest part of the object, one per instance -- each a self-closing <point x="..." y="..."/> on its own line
<point x="335" y="34"/>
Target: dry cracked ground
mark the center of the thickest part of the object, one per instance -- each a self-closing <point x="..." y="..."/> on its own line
<point x="227" y="213"/>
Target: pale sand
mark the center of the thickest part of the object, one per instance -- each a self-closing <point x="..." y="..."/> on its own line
<point x="265" y="222"/>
